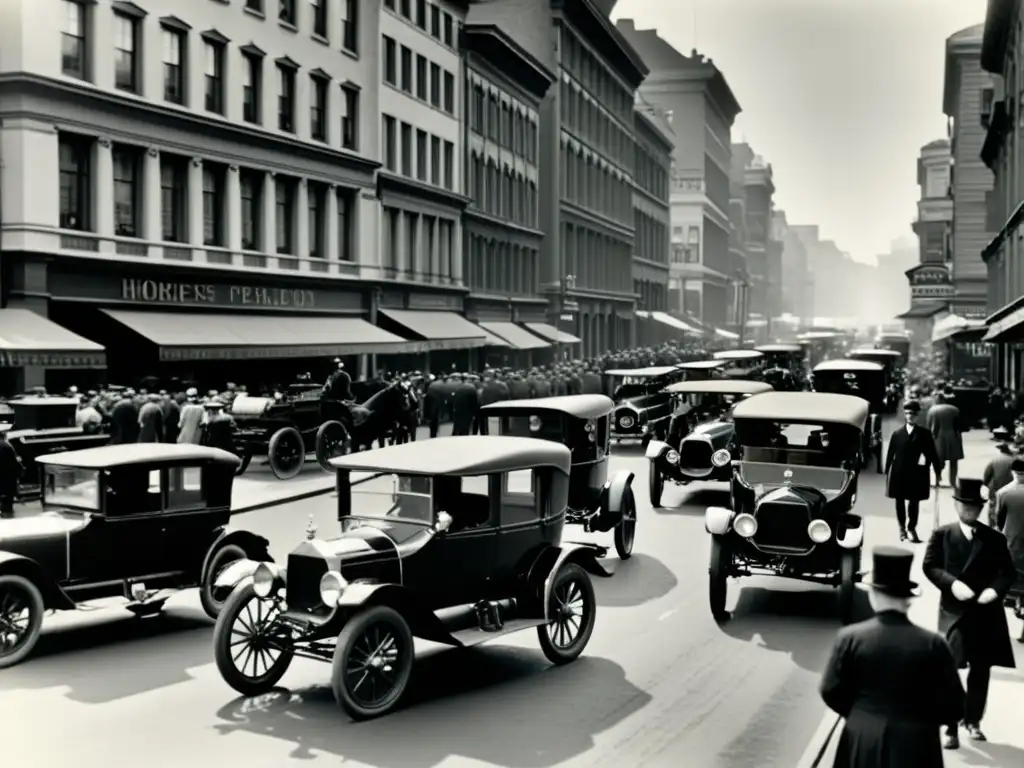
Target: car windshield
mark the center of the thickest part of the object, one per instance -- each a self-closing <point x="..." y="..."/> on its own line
<point x="820" y="445"/>
<point x="72" y="487"/>
<point x="407" y="498"/>
<point x="708" y="405"/>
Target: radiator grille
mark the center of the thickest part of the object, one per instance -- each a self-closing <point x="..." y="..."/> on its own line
<point x="695" y="454"/>
<point x="304" y="574"/>
<point x="783" y="525"/>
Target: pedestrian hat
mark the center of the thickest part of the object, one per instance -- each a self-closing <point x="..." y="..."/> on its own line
<point x="912" y="406"/>
<point x="890" y="572"/>
<point x="214" y="405"/>
<point x="968" y="491"/>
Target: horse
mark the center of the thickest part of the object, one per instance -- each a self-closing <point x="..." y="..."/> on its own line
<point x="384" y="414"/>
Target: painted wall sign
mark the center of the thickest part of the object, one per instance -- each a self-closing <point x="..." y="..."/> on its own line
<point x="168" y="292"/>
<point x="931" y="275"/>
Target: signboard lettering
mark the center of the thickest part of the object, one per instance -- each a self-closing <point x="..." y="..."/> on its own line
<point x="931" y="276"/>
<point x="174" y="293"/>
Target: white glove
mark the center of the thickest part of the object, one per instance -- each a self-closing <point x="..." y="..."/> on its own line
<point x="961" y="591"/>
<point x="987" y="596"/>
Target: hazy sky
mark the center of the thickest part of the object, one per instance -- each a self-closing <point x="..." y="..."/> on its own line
<point x="838" y="95"/>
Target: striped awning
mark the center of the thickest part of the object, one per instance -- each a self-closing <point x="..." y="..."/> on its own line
<point x="27" y="338"/>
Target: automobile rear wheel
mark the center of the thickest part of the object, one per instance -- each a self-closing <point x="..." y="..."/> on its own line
<point x="655" y="484"/>
<point x="848" y="567"/>
<point x="21" y="618"/>
<point x="286" y="453"/>
<point x="718" y="577"/>
<point x="331" y="442"/>
<point x="245" y="457"/>
<point x="211" y="597"/>
<point x="572" y="609"/>
<point x="625" y="531"/>
<point x="245" y="642"/>
<point x="372" y="662"/>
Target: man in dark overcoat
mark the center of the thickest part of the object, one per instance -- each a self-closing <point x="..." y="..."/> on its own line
<point x="10" y="473"/>
<point x="541" y="385"/>
<point x="465" y="407"/>
<point x="945" y="425"/>
<point x="124" y="419"/>
<point x="971" y="565"/>
<point x="591" y="381"/>
<point x="433" y="404"/>
<point x="492" y="390"/>
<point x="894" y="682"/>
<point x="518" y="389"/>
<point x="910" y="455"/>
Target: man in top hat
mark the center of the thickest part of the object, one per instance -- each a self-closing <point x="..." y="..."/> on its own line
<point x="910" y="454"/>
<point x="10" y="472"/>
<point x="971" y="565"/>
<point x="190" y="419"/>
<point x="894" y="682"/>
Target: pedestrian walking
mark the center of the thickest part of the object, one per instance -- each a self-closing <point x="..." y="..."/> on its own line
<point x="124" y="419"/>
<point x="910" y="454"/>
<point x="997" y="473"/>
<point x="151" y="420"/>
<point x="945" y="424"/>
<point x="971" y="566"/>
<point x="894" y="682"/>
<point x="10" y="472"/>
<point x="1009" y="519"/>
<point x="190" y="419"/>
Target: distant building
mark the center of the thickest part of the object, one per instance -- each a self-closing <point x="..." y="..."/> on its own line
<point x="753" y="180"/>
<point x="843" y="288"/>
<point x="797" y="283"/>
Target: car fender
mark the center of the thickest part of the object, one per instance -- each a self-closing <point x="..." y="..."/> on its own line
<point x="256" y="547"/>
<point x="616" y="488"/>
<point x="580" y="554"/>
<point x="54" y="598"/>
<point x="423" y="622"/>
<point x="853" y="536"/>
<point x="656" y="449"/>
<point x="717" y="520"/>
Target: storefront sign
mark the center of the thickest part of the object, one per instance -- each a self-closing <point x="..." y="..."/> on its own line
<point x="181" y="294"/>
<point x="931" y="281"/>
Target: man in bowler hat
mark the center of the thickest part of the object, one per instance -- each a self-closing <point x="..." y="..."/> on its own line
<point x="907" y="461"/>
<point x="971" y="565"/>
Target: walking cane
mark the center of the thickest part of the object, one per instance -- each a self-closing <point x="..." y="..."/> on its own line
<point x="824" y="745"/>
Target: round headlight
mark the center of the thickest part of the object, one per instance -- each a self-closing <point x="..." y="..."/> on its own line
<point x="721" y="457"/>
<point x="672" y="457"/>
<point x="626" y="422"/>
<point x="535" y="423"/>
<point x="745" y="525"/>
<point x="263" y="580"/>
<point x="591" y="425"/>
<point x="819" y="531"/>
<point x="332" y="584"/>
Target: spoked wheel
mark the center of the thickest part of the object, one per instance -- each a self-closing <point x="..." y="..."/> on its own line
<point x="247" y="642"/>
<point x="848" y="567"/>
<point x="718" y="577"/>
<point x="625" y="531"/>
<point x="21" y="619"/>
<point x="572" y="610"/>
<point x="286" y="453"/>
<point x="372" y="662"/>
<point x="331" y="442"/>
<point x="655" y="485"/>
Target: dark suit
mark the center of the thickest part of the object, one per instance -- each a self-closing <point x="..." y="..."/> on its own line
<point x="541" y="387"/>
<point x="124" y="422"/>
<point x="465" y="406"/>
<point x="171" y="419"/>
<point x="433" y="404"/>
<point x="491" y="392"/>
<point x="906" y="478"/>
<point x="977" y="634"/>
<point x="151" y="423"/>
<point x="896" y="684"/>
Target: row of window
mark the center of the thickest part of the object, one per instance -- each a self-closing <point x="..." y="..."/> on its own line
<point x="501" y="268"/>
<point x="650" y="172"/>
<point x="653" y="296"/>
<point x="418" y="246"/>
<point x="590" y="183"/>
<point x="599" y="262"/>
<point x="650" y="237"/>
<point x="428" y="17"/>
<point x="79" y="189"/>
<point x="288" y="15"/>
<point x="411" y="157"/>
<point x="577" y="59"/>
<point x="502" y="192"/>
<point x="415" y="75"/>
<point x="500" y="118"/>
<point x="588" y="121"/>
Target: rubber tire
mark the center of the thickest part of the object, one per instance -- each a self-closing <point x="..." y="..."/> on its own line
<point x="354" y="627"/>
<point x="719" y="564"/>
<point x="222" y="654"/>
<point x="274" y="446"/>
<point x="849" y="564"/>
<point x="246" y="458"/>
<point x="655" y="485"/>
<point x="321" y="435"/>
<point x="220" y="559"/>
<point x="571" y="571"/>
<point x="623" y="543"/>
<point x="36" y="607"/>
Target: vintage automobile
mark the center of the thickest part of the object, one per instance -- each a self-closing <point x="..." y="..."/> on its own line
<point x="702" y="370"/>
<point x="865" y="380"/>
<point x="45" y="424"/>
<point x="890" y="360"/>
<point x="701" y="442"/>
<point x="793" y="495"/>
<point x="822" y="345"/>
<point x="784" y="366"/>
<point x="898" y="342"/>
<point x="641" y="406"/>
<point x="740" y="363"/>
<point x="456" y="540"/>
<point x="580" y="422"/>
<point x="137" y="521"/>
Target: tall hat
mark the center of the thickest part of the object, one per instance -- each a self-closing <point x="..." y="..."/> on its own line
<point x="968" y="491"/>
<point x="890" y="572"/>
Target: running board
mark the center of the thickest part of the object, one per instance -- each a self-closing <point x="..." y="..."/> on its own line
<point x="467" y="638"/>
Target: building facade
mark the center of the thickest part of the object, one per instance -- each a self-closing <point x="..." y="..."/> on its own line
<point x="753" y="188"/>
<point x="971" y="182"/>
<point x="797" y="282"/>
<point x="703" y="108"/>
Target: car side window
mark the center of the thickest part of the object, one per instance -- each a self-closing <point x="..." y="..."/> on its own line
<point x="519" y="497"/>
<point x="184" y="488"/>
<point x="132" y="491"/>
<point x="466" y="499"/>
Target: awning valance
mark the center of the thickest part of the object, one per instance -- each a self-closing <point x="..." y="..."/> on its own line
<point x="186" y="336"/>
<point x="921" y="311"/>
<point x="724" y="334"/>
<point x="552" y="334"/>
<point x="1007" y="328"/>
<point x="672" y="322"/>
<point x="27" y="338"/>
<point x="953" y="324"/>
<point x="439" y="330"/>
<point x="517" y="338"/>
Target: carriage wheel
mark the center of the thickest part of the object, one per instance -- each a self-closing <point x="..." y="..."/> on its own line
<point x="286" y="453"/>
<point x="331" y="442"/>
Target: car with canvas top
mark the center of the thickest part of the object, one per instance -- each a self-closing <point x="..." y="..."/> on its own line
<point x="642" y="409"/>
<point x="864" y="379"/>
<point x="740" y="363"/>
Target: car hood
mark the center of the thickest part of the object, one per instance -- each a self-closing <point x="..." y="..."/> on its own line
<point x="718" y="432"/>
<point x="45" y="525"/>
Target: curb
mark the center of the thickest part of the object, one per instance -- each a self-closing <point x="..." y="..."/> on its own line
<point x="281" y="500"/>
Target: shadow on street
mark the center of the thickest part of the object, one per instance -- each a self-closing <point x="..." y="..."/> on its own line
<point x="638" y="580"/>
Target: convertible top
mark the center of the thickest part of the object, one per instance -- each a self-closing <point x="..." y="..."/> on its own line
<point x="804" y="407"/>
<point x="128" y="454"/>
<point x="848" y="365"/>
<point x="701" y="365"/>
<point x="738" y="354"/>
<point x="580" y="406"/>
<point x="792" y="348"/>
<point x="652" y="372"/>
<point x="463" y="455"/>
<point x="720" y="387"/>
<point x="873" y="351"/>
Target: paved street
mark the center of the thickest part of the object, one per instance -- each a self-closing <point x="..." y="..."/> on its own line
<point x="660" y="685"/>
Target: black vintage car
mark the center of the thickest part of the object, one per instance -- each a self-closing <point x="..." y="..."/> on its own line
<point x="702" y="370"/>
<point x="580" y="422"/>
<point x="891" y="361"/>
<point x="822" y="345"/>
<point x="45" y="424"/>
<point x="793" y="495"/>
<point x="457" y="540"/>
<point x="701" y="443"/>
<point x="865" y="380"/>
<point x="741" y="363"/>
<point x="136" y="521"/>
<point x="785" y="367"/>
<point x="642" y="408"/>
<point x="898" y="342"/>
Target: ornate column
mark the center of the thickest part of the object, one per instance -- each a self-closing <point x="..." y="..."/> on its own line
<point x="151" y="224"/>
<point x="268" y="236"/>
<point x="302" y="238"/>
<point x="332" y="237"/>
<point x="195" y="203"/>
<point x="103" y="187"/>
<point x="233" y="210"/>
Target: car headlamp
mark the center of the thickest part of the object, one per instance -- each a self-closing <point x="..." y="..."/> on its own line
<point x="745" y="525"/>
<point x="332" y="584"/>
<point x="672" y="457"/>
<point x="819" y="531"/>
<point x="535" y="423"/>
<point x="263" y="580"/>
<point x="591" y="425"/>
<point x="721" y="457"/>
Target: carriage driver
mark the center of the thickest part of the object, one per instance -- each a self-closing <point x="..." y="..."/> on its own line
<point x="339" y="385"/>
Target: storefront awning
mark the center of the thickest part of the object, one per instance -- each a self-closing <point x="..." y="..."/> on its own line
<point x="439" y="330"/>
<point x="27" y="338"/>
<point x="1007" y="328"/>
<point x="921" y="311"/>
<point x="517" y="338"/>
<point x="184" y="336"/>
<point x="724" y="334"/>
<point x="552" y="334"/>
<point x="672" y="322"/>
<point x="951" y="325"/>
